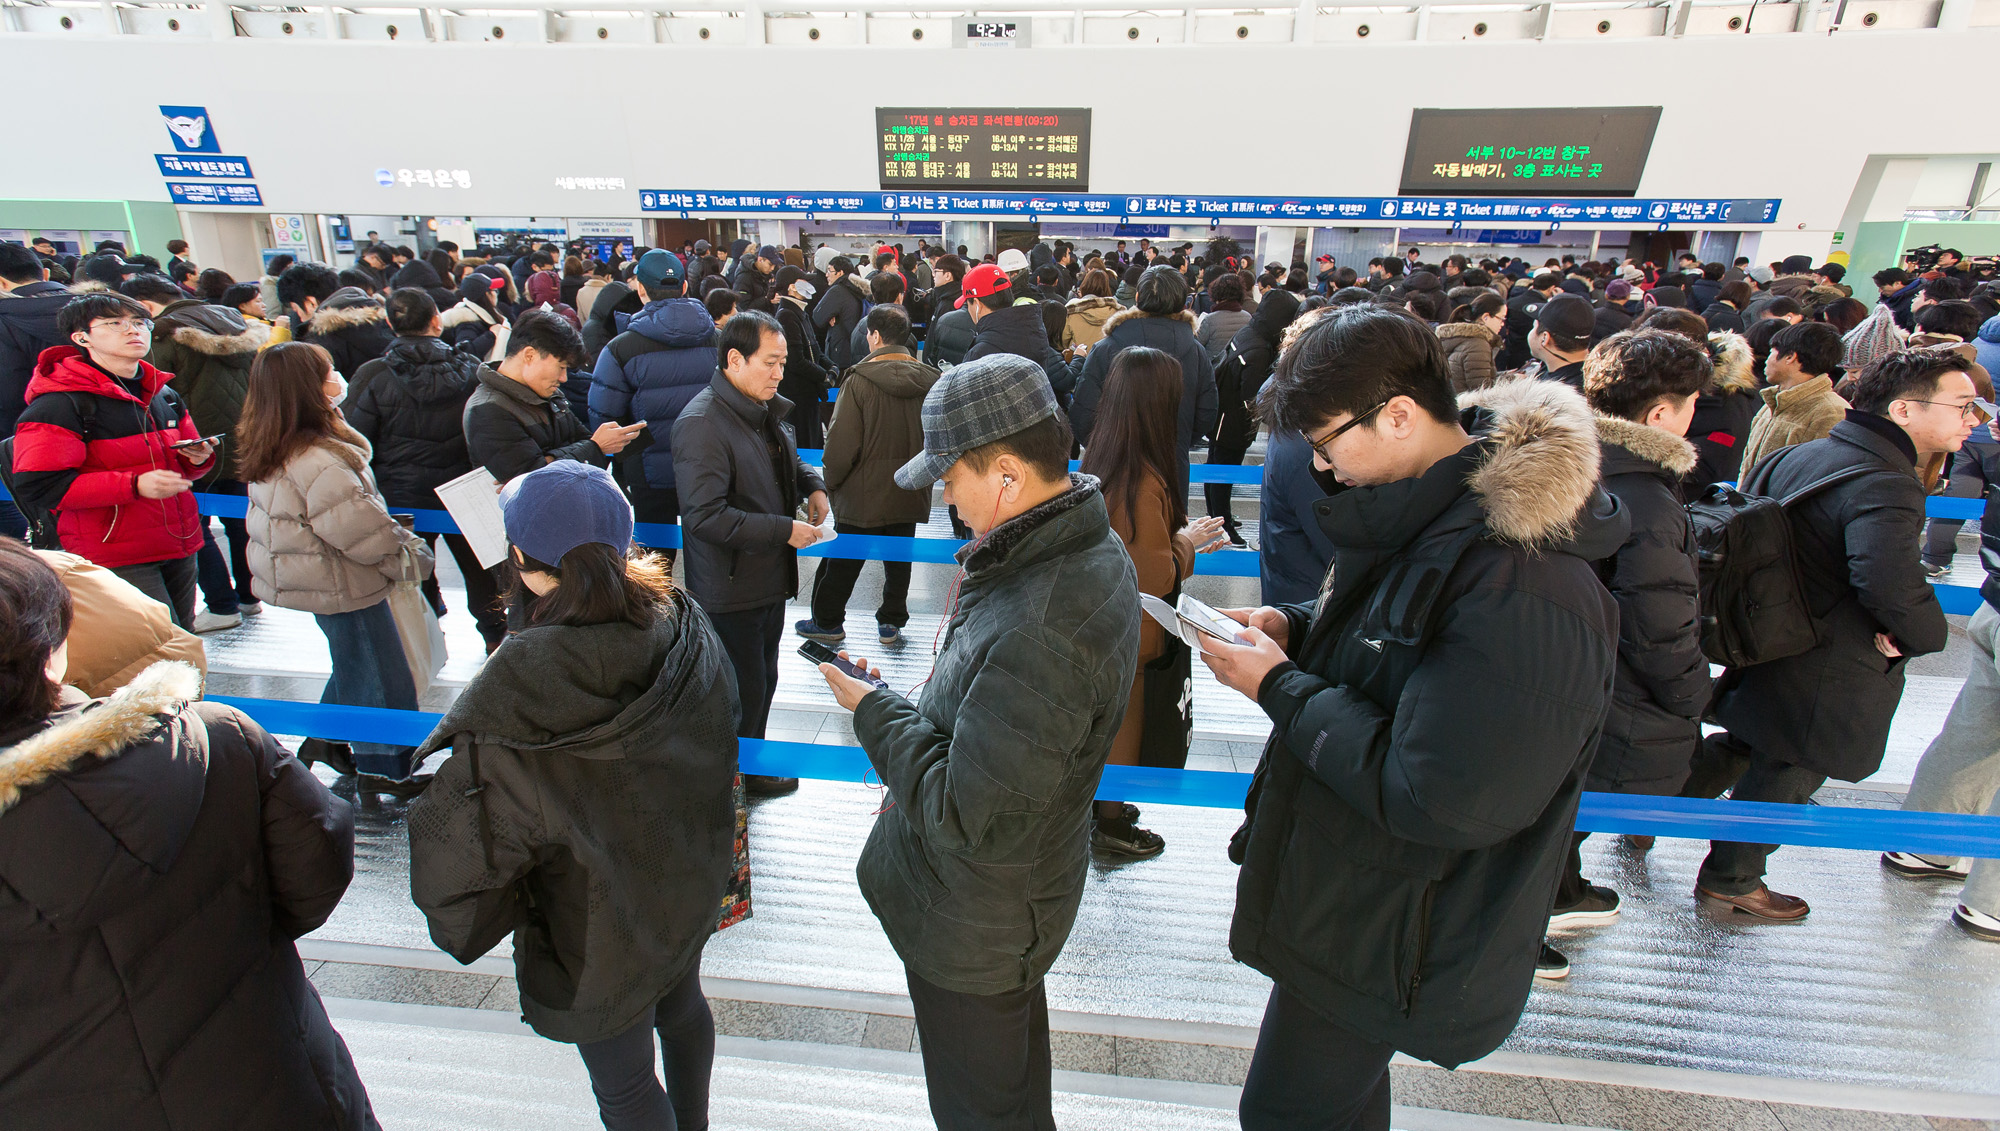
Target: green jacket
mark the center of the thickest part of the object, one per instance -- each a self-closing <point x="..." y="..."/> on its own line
<point x="209" y="349"/>
<point x="977" y="866"/>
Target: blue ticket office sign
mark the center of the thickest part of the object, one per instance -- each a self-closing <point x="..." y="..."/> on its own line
<point x="197" y="192"/>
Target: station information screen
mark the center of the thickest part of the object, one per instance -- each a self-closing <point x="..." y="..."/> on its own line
<point x="1564" y="151"/>
<point x="999" y="150"/>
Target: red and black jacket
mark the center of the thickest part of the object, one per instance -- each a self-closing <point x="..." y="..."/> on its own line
<point x="80" y="447"/>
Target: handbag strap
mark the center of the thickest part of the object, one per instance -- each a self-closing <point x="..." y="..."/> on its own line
<point x="462" y="743"/>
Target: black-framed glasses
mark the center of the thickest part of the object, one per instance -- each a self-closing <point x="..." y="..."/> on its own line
<point x="1319" y="445"/>
<point x="1974" y="410"/>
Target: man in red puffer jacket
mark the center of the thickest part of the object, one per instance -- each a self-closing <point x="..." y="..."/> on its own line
<point x="96" y="445"/>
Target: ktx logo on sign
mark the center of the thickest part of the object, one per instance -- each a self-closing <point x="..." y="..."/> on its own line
<point x="189" y="127"/>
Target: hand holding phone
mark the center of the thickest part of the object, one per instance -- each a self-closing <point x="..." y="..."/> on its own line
<point x="183" y="445"/>
<point x="821" y="654"/>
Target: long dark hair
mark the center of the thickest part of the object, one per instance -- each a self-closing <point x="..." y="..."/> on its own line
<point x="35" y="612"/>
<point x="596" y="585"/>
<point x="286" y="411"/>
<point x="1137" y="431"/>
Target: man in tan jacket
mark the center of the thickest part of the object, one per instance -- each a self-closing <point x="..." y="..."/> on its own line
<point x="1799" y="402"/>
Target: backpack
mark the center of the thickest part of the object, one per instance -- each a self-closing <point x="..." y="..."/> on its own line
<point x="42" y="521"/>
<point x="1753" y="602"/>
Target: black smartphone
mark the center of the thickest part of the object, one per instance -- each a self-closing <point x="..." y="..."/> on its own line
<point x="198" y="440"/>
<point x="821" y="654"/>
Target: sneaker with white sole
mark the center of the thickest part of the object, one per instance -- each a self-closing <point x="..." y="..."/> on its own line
<point x="1977" y="923"/>
<point x="811" y="631"/>
<point x="1551" y="964"/>
<point x="251" y="608"/>
<point x="1913" y="867"/>
<point x="206" y="621"/>
<point x="890" y="636"/>
<point x="1597" y="905"/>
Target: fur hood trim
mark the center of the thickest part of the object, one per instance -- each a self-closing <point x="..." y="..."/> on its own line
<point x="1729" y="352"/>
<point x="327" y="319"/>
<point x="1133" y="314"/>
<point x="1451" y="330"/>
<point x="1089" y="302"/>
<point x="1650" y="444"/>
<point x="1300" y="325"/>
<point x="252" y="338"/>
<point x="351" y="446"/>
<point x="88" y="286"/>
<point x="115" y="724"/>
<point x="465" y="311"/>
<point x="1540" y="463"/>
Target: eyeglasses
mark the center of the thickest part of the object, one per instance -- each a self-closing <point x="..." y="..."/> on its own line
<point x="1319" y="446"/>
<point x="1972" y="410"/>
<point x="143" y="325"/>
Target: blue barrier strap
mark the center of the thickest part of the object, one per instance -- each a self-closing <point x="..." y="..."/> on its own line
<point x="1251" y="474"/>
<point x="1938" y="506"/>
<point x="1940" y="834"/>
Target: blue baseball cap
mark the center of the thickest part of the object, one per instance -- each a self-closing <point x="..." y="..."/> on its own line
<point x="554" y="509"/>
<point x="659" y="266"/>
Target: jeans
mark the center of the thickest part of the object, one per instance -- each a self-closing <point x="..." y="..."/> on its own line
<point x="370" y="670"/>
<point x="482" y="589"/>
<point x="986" y="1057"/>
<point x="629" y="1096"/>
<point x="834" y="583"/>
<point x="1309" y="1074"/>
<point x="224" y="595"/>
<point x="1960" y="772"/>
<point x="752" y="638"/>
<point x="170" y="582"/>
<point x="1722" y="762"/>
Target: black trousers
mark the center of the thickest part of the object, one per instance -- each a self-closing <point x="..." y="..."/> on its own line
<point x="482" y="588"/>
<point x="1725" y="761"/>
<point x="986" y="1057"/>
<point x="834" y="583"/>
<point x="629" y="1096"/>
<point x="657" y="504"/>
<point x="171" y="583"/>
<point x="213" y="570"/>
<point x="752" y="638"/>
<point x="1309" y="1074"/>
<point x="1233" y="434"/>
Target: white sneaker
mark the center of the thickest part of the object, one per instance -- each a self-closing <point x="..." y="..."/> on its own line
<point x="1977" y="923"/>
<point x="206" y="621"/>
<point x="251" y="608"/>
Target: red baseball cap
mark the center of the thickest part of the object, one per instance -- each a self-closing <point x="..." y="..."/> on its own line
<point x="1326" y="259"/>
<point x="983" y="281"/>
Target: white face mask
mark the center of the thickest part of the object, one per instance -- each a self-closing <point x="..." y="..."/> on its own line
<point x="340" y="388"/>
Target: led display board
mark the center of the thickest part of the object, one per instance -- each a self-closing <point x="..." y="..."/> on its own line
<point x="922" y="148"/>
<point x="1562" y="151"/>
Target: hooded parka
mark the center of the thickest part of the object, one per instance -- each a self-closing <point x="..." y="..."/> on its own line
<point x="158" y="858"/>
<point x="208" y="349"/>
<point x="352" y="327"/>
<point x="1083" y="322"/>
<point x="650" y="372"/>
<point x="1468" y="354"/>
<point x="1414" y="805"/>
<point x="409" y="404"/>
<point x="877" y="427"/>
<point x="1723" y="414"/>
<point x="321" y="539"/>
<point x="587" y="809"/>
<point x="1171" y="334"/>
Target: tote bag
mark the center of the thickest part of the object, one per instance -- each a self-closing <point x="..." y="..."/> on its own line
<point x="423" y="638"/>
<point x="1166" y="702"/>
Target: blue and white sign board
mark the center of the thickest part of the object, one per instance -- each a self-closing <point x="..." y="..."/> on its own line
<point x="1448" y="211"/>
<point x="199" y="192"/>
<point x="208" y="168"/>
<point x="190" y="129"/>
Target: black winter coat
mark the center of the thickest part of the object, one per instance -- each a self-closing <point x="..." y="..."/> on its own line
<point x="352" y="327"/>
<point x="1610" y="318"/>
<point x="1411" y="813"/>
<point x="1721" y="317"/>
<point x="1828" y="709"/>
<point x="1663" y="684"/>
<point x="1022" y="331"/>
<point x="741" y="481"/>
<point x="511" y="431"/>
<point x="410" y="404"/>
<point x="157" y="859"/>
<point x="421" y="275"/>
<point x="1521" y="310"/>
<point x="615" y="299"/>
<point x="949" y="336"/>
<point x="601" y="758"/>
<point x="1172" y="335"/>
<point x="27" y="327"/>
<point x="834" y="319"/>
<point x="1723" y="414"/>
<point x="1701" y="293"/>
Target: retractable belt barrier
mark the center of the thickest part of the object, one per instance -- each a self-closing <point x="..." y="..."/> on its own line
<point x="1818" y="826"/>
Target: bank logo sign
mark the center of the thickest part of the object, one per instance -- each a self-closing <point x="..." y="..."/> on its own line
<point x="188" y="126"/>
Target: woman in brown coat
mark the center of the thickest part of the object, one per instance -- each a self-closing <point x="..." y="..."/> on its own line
<point x="1470" y="339"/>
<point x="1134" y="453"/>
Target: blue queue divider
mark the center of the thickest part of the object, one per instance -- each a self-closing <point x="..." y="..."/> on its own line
<point x="1251" y="474"/>
<point x="1877" y="830"/>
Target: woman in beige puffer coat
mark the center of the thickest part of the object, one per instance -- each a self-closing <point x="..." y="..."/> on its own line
<point x="322" y="541"/>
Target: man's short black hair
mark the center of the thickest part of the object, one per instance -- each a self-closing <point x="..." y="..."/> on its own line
<point x="841" y="264"/>
<point x="550" y="334"/>
<point x="1713" y="271"/>
<point x="1956" y="317"/>
<point x="157" y="288"/>
<point x="1910" y="374"/>
<point x="81" y="311"/>
<point x="238" y="294"/>
<point x="1890" y="277"/>
<point x="1944" y="288"/>
<point x="885" y="286"/>
<point x="541" y="259"/>
<point x="359" y="280"/>
<point x="891" y="324"/>
<point x="720" y="301"/>
<point x="411" y="310"/>
<point x="1778" y="306"/>
<point x="1816" y="345"/>
<point x="1043" y="446"/>
<point x="279" y="264"/>
<point x="1834" y="272"/>
<point x="1629" y="372"/>
<point x="180" y="270"/>
<point x="744" y="334"/>
<point x="1355" y="358"/>
<point x="302" y="281"/>
<point x="19" y="264"/>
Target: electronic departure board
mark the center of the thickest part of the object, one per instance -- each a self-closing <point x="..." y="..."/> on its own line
<point x="924" y="147"/>
<point x="1565" y="151"/>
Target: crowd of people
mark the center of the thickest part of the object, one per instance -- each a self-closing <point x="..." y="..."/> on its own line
<point x="1484" y="487"/>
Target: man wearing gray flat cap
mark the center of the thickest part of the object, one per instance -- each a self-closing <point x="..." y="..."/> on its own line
<point x="977" y="864"/>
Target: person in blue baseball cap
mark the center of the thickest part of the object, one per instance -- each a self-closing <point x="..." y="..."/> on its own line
<point x="592" y="770"/>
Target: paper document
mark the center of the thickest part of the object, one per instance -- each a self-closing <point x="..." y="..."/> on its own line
<point x="1191" y="621"/>
<point x="473" y="500"/>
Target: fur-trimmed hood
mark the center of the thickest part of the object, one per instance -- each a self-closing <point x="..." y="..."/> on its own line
<point x="351" y="446"/>
<point x="1653" y="445"/>
<point x="1730" y="353"/>
<point x="218" y="331"/>
<point x="103" y="730"/>
<point x="1091" y="302"/>
<point x="1450" y="330"/>
<point x="1133" y="314"/>
<point x="345" y="308"/>
<point x="1539" y="468"/>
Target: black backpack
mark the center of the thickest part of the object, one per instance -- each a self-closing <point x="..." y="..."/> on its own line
<point x="1753" y="602"/>
<point x="42" y="521"/>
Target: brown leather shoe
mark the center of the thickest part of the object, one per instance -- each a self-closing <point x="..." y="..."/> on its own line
<point x="1762" y="903"/>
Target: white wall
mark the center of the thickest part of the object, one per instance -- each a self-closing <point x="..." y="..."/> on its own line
<point x="317" y="119"/>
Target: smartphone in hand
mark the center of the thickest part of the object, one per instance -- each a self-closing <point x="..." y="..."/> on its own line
<point x="821" y="654"/>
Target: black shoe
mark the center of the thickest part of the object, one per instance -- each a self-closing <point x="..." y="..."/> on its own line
<point x="1235" y="532"/>
<point x="1639" y="842"/>
<point x="1551" y="965"/>
<point x="339" y="755"/>
<point x="758" y="785"/>
<point x="1598" y="905"/>
<point x="1120" y="837"/>
<point x="403" y="788"/>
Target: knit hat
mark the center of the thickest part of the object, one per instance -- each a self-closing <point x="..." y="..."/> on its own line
<point x="558" y="507"/>
<point x="1877" y="335"/>
<point x="972" y="405"/>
